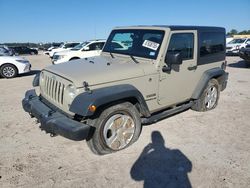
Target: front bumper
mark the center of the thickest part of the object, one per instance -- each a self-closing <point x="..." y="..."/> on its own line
<point x="24" y="68"/>
<point x="52" y="121"/>
<point x="232" y="52"/>
<point x="58" y="61"/>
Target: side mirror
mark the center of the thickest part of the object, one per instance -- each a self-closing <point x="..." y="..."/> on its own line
<point x="172" y="58"/>
<point x="86" y="48"/>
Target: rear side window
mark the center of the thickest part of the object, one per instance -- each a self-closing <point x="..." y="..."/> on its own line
<point x="96" y="46"/>
<point x="71" y="45"/>
<point x="211" y="43"/>
<point x="184" y="43"/>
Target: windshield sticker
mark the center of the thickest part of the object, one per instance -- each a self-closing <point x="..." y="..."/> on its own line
<point x="152" y="53"/>
<point x="150" y="44"/>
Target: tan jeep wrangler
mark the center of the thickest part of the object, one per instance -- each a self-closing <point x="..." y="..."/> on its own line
<point x="144" y="74"/>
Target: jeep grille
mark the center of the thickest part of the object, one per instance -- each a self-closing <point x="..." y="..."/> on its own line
<point x="53" y="87"/>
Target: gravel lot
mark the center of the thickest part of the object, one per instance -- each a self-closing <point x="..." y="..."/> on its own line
<point x="209" y="149"/>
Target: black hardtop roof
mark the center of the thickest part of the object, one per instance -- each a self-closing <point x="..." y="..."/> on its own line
<point x="182" y="27"/>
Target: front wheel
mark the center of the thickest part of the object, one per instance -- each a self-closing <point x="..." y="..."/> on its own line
<point x="209" y="98"/>
<point x="116" y="128"/>
<point x="8" y="71"/>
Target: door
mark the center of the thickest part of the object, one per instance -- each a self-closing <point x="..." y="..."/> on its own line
<point x="177" y="85"/>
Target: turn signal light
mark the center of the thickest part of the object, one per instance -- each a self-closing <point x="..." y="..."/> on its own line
<point x="92" y="108"/>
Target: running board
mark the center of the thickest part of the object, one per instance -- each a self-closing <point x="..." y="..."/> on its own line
<point x="166" y="113"/>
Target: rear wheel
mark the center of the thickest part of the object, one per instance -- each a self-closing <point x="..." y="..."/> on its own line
<point x="8" y="71"/>
<point x="209" y="98"/>
<point x="117" y="127"/>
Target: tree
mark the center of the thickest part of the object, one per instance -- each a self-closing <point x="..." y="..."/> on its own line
<point x="232" y="32"/>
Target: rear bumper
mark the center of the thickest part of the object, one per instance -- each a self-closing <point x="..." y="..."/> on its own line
<point x="52" y="121"/>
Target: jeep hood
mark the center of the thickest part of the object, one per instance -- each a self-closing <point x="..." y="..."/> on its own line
<point x="97" y="70"/>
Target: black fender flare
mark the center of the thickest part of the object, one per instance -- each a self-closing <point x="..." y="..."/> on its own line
<point x="217" y="73"/>
<point x="106" y="95"/>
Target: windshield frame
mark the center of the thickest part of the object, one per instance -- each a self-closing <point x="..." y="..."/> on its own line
<point x="136" y="30"/>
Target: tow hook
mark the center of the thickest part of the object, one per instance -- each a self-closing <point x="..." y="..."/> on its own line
<point x="31" y="115"/>
<point x="52" y="135"/>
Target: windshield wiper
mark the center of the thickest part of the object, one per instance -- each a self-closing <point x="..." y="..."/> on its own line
<point x="132" y="57"/>
<point x="111" y="55"/>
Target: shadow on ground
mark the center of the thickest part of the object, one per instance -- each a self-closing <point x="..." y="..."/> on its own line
<point x="159" y="166"/>
<point x="240" y="64"/>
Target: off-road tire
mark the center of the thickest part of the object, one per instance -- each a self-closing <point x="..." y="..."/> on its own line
<point x="200" y="104"/>
<point x="97" y="142"/>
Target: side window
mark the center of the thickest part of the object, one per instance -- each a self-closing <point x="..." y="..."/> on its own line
<point x="96" y="46"/>
<point x="101" y="44"/>
<point x="184" y="43"/>
<point x="211" y="43"/>
<point x="70" y="45"/>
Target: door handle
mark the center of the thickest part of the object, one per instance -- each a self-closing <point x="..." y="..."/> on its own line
<point x="192" y="67"/>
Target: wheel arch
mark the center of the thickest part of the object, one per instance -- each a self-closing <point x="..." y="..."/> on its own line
<point x="74" y="58"/>
<point x="108" y="96"/>
<point x="216" y="73"/>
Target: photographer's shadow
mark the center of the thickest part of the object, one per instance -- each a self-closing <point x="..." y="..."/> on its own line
<point x="159" y="166"/>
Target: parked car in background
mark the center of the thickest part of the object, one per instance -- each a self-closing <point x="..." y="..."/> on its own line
<point x="10" y="67"/>
<point x="54" y="46"/>
<point x="235" y="45"/>
<point x="63" y="47"/>
<point x="24" y="50"/>
<point x="245" y="53"/>
<point x="83" y="50"/>
<point x="5" y="51"/>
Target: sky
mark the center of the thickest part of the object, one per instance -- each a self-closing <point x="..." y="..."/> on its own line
<point x="80" y="20"/>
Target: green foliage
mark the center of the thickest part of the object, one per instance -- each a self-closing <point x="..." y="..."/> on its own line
<point x="235" y="32"/>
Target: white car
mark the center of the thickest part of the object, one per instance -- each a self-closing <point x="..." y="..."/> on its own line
<point x="235" y="45"/>
<point x="63" y="47"/>
<point x="12" y="66"/>
<point x="83" y="50"/>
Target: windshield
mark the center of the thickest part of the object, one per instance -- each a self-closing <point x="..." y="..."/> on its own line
<point x="135" y="42"/>
<point x="237" y="41"/>
<point x="80" y="46"/>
